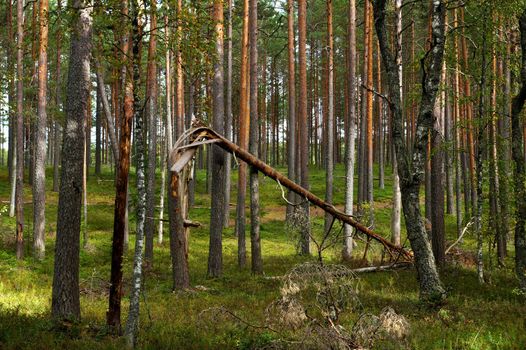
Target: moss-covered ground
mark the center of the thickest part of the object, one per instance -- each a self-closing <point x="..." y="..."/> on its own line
<point x="489" y="316"/>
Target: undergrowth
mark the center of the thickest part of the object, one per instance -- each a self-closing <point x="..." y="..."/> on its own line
<point x="489" y="316"/>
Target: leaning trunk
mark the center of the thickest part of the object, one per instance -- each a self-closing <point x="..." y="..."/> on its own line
<point x="411" y="164"/>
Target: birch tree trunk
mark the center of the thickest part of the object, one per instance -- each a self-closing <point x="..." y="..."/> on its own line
<point x="12" y="197"/>
<point x="167" y="128"/>
<point x="132" y="324"/>
<point x="397" y="195"/>
<point x="151" y="119"/>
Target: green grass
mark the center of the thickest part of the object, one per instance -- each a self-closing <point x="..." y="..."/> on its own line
<point x="474" y="317"/>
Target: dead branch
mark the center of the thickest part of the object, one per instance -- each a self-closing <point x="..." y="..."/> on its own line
<point x="460" y="237"/>
<point x="190" y="223"/>
<point x="390" y="267"/>
<point x="196" y="136"/>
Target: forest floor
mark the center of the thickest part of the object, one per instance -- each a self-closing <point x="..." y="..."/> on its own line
<point x="489" y="316"/>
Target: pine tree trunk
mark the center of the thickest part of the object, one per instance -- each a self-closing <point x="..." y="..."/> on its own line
<point x="460" y="170"/>
<point x="437" y="189"/>
<point x="262" y="105"/>
<point x="478" y="203"/>
<point x="58" y="105"/>
<point x="504" y="150"/>
<point x="303" y="145"/>
<point x="244" y="126"/>
<point x="470" y="125"/>
<point x="291" y="144"/>
<point x="85" y="185"/>
<point x="177" y="199"/>
<point x="380" y="127"/>
<point x="120" y="221"/>
<point x="369" y="107"/>
<point x="65" y="301"/>
<point x="190" y="114"/>
<point x="494" y="193"/>
<point x="88" y="138"/>
<point x="39" y="166"/>
<point x="11" y="146"/>
<point x="228" y="115"/>
<point x="519" y="173"/>
<point x="215" y="254"/>
<point x="329" y="149"/>
<point x="20" y="132"/>
<point x="160" y="234"/>
<point x="362" y="149"/>
<point x="110" y="126"/>
<point x="255" y="244"/>
<point x="98" y="127"/>
<point x="12" y="197"/>
<point x="448" y="153"/>
<point x="32" y="96"/>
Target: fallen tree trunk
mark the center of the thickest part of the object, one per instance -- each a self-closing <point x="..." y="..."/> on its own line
<point x="391" y="267"/>
<point x="180" y="156"/>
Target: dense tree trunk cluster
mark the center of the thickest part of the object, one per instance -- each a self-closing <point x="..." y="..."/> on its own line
<point x="408" y="97"/>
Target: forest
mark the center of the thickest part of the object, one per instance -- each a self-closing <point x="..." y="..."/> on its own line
<point x="272" y="174"/>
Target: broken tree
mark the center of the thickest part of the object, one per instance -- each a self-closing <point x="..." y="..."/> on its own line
<point x="201" y="135"/>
